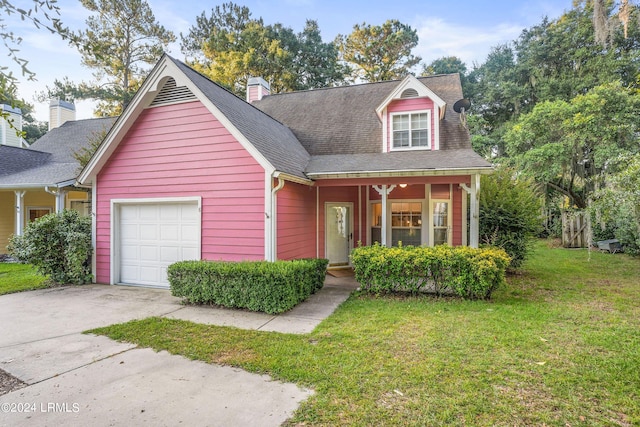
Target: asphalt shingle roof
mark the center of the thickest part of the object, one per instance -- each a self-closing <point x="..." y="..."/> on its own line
<point x="271" y="138"/>
<point x="49" y="160"/>
<point x="343" y="120"/>
<point x="396" y="161"/>
<point x="339" y="127"/>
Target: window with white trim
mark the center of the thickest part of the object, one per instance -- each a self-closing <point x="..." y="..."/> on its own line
<point x="411" y="130"/>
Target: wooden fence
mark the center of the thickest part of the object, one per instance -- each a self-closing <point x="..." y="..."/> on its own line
<point x="575" y="229"/>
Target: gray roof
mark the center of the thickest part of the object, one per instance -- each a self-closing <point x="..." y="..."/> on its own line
<point x="49" y="160"/>
<point x="271" y="138"/>
<point x="343" y="120"/>
<point x="399" y="161"/>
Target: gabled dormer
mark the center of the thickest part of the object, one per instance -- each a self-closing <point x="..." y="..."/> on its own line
<point x="410" y="117"/>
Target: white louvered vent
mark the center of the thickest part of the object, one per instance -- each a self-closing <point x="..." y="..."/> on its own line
<point x="409" y="93"/>
<point x="172" y="94"/>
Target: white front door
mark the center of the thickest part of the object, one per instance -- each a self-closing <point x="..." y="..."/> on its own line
<point x="338" y="233"/>
<point x="440" y="222"/>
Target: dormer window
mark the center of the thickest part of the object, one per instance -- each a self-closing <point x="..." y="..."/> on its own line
<point x="411" y="130"/>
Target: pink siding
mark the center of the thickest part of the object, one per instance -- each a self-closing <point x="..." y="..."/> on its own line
<point x="409" y="105"/>
<point x="296" y="218"/>
<point x="440" y="191"/>
<point x="415" y="191"/>
<point x="178" y="151"/>
<point x="456" y="205"/>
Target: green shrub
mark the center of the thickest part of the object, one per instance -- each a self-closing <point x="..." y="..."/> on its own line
<point x="467" y="272"/>
<point x="58" y="245"/>
<point x="616" y="207"/>
<point x="270" y="287"/>
<point x="510" y="214"/>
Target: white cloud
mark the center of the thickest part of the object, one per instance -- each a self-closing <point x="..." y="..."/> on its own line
<point x="440" y="38"/>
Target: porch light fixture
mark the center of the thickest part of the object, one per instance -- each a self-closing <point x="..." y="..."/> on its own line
<point x="403" y="185"/>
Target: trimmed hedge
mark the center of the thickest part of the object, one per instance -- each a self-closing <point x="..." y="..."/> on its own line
<point x="269" y="287"/>
<point x="466" y="272"/>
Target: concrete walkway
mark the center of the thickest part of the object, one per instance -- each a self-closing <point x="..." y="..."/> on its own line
<point x="76" y="379"/>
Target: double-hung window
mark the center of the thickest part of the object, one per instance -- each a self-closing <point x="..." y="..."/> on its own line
<point x="411" y="130"/>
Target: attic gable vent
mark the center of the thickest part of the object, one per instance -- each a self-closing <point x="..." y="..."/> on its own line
<point x="409" y="93"/>
<point x="172" y="94"/>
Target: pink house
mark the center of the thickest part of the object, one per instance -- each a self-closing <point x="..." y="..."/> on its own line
<point x="190" y="171"/>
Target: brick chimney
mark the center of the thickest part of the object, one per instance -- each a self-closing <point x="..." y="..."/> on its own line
<point x="59" y="112"/>
<point x="257" y="88"/>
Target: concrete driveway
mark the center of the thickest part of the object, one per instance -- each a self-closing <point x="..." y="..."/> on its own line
<point x="76" y="379"/>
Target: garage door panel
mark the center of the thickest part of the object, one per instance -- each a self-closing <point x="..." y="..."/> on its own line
<point x="190" y="254"/>
<point x="148" y="211"/>
<point x="189" y="232"/>
<point x="128" y="213"/>
<point x="148" y="231"/>
<point x="129" y="252"/>
<point x="148" y="253"/>
<point x="169" y="254"/>
<point x="187" y="214"/>
<point x="170" y="232"/>
<point x="153" y="236"/>
<point x="170" y="212"/>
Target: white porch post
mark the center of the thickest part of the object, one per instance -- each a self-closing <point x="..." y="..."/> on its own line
<point x="19" y="211"/>
<point x="384" y="195"/>
<point x="60" y="201"/>
<point x="474" y="226"/>
<point x="384" y="191"/>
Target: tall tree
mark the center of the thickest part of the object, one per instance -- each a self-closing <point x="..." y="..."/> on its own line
<point x="121" y="40"/>
<point x="379" y="52"/>
<point x="553" y="60"/>
<point x="230" y="46"/>
<point x="445" y="65"/>
<point x="568" y="146"/>
<point x="43" y="14"/>
<point x="449" y="65"/>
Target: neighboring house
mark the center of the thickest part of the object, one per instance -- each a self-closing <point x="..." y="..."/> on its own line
<point x="41" y="179"/>
<point x="190" y="171"/>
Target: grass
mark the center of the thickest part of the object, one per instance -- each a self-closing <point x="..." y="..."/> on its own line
<point x="560" y="345"/>
<point x="19" y="277"/>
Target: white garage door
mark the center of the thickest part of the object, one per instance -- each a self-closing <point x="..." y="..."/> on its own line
<point x="154" y="235"/>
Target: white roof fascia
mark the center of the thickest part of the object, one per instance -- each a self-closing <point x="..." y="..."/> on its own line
<point x="402" y="173"/>
<point x="410" y="82"/>
<point x="292" y="178"/>
<point x="164" y="69"/>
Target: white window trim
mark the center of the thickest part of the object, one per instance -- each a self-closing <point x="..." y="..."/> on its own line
<point x="75" y="199"/>
<point x="449" y="219"/>
<point x="35" y="208"/>
<point x="389" y="227"/>
<point x="410" y="113"/>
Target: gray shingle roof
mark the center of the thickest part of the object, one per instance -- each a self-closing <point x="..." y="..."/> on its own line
<point x="49" y="160"/>
<point x="343" y="120"/>
<point x="401" y="161"/>
<point x="271" y="138"/>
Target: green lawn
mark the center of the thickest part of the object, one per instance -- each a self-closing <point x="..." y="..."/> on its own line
<point x="559" y="346"/>
<point x="19" y="277"/>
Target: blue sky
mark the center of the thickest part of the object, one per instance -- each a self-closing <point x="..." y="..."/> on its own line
<point x="464" y="28"/>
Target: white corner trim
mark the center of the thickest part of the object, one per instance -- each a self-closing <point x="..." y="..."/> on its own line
<point x="94" y="227"/>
